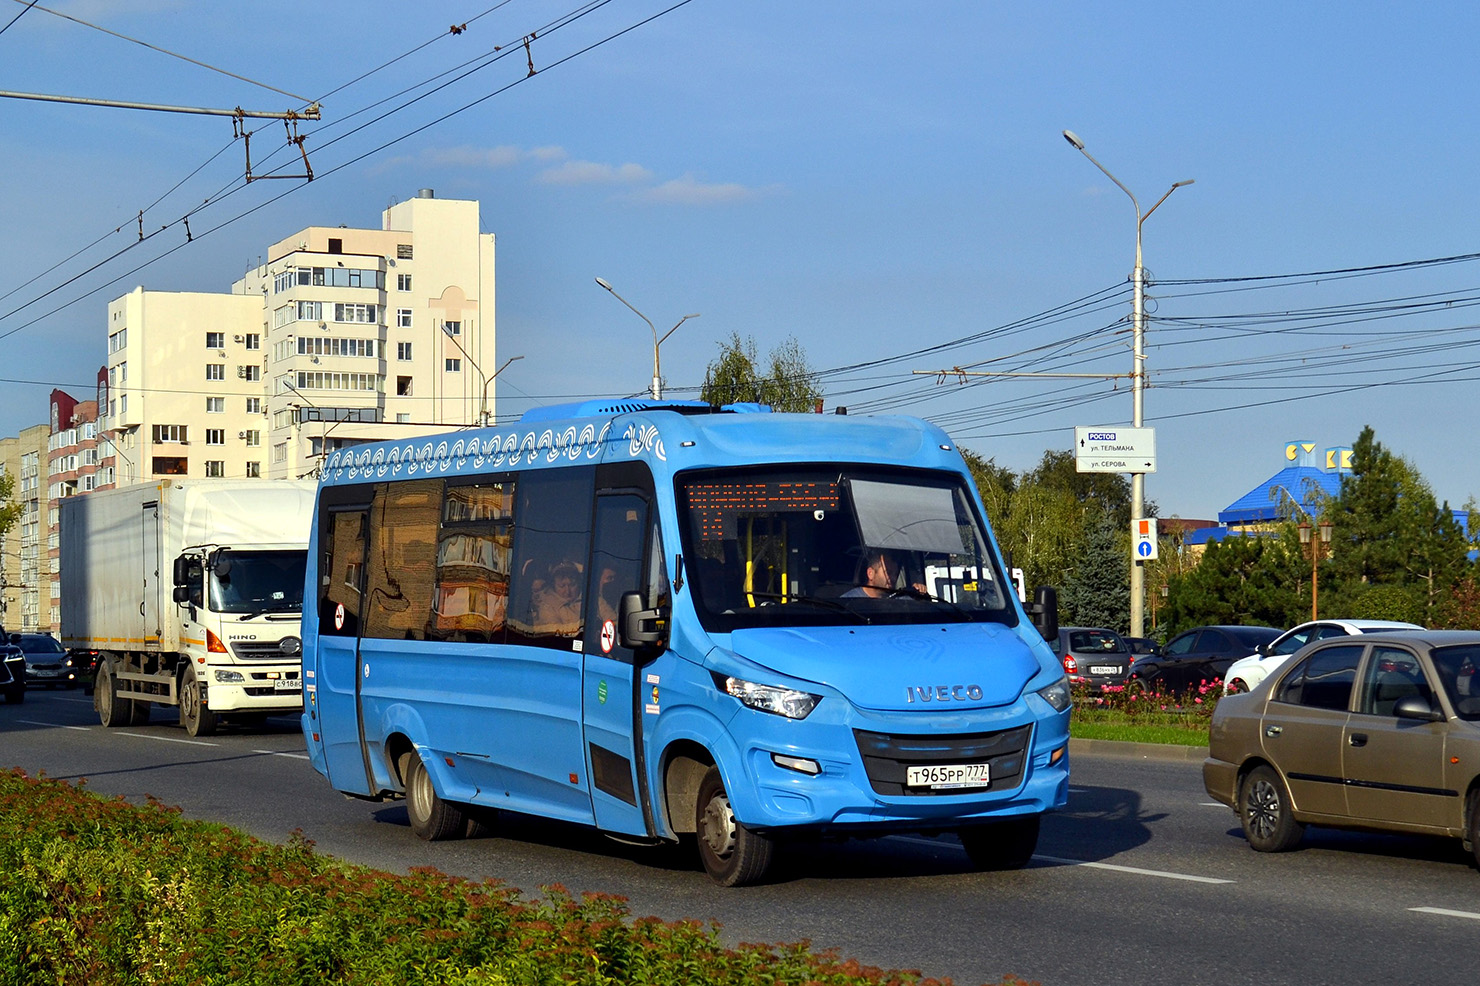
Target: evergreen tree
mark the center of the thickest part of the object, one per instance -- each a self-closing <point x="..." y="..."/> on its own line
<point x="1241" y="581"/>
<point x="1097" y="592"/>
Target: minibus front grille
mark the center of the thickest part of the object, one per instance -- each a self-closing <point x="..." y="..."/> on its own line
<point x="887" y="755"/>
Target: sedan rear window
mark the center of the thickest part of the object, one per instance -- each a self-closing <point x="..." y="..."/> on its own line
<point x="1456" y="667"/>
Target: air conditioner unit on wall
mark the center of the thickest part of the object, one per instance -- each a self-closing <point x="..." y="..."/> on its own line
<point x="238" y="338"/>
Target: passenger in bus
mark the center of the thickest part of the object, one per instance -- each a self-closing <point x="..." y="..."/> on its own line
<point x="608" y="596"/>
<point x="557" y="601"/>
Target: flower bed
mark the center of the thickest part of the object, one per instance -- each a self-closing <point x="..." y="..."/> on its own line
<point x="99" y="892"/>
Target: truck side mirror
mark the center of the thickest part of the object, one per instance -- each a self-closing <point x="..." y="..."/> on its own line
<point x="182" y="574"/>
<point x="641" y="629"/>
<point x="182" y="593"/>
<point x="1044" y="609"/>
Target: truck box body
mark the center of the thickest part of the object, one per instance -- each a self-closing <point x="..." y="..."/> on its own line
<point x="118" y="551"/>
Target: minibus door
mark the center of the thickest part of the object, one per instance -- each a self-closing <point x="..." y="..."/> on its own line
<point x="343" y="542"/>
<point x="611" y="681"/>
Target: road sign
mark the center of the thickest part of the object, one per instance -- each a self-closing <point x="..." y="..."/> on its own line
<point x="1114" y="448"/>
<point x="1143" y="539"/>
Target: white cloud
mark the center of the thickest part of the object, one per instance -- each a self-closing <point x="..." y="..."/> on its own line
<point x="504" y="156"/>
<point x="593" y="173"/>
<point x="689" y="190"/>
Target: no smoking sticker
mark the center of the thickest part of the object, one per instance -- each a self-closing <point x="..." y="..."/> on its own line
<point x="339" y="617"/>
<point x="608" y="636"/>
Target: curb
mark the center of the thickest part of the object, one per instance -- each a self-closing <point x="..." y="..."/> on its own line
<point x="1138" y="751"/>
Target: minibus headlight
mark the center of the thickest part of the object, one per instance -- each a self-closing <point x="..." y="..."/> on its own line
<point x="1056" y="694"/>
<point x="786" y="702"/>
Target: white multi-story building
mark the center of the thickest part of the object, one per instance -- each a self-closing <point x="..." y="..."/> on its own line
<point x="341" y="336"/>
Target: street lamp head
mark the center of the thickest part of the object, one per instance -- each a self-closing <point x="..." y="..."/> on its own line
<point x="604" y="284"/>
<point x="1189" y="181"/>
<point x="1073" y="139"/>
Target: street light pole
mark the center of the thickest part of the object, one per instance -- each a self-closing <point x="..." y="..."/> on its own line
<point x="1138" y="373"/>
<point x="483" y="415"/>
<point x="657" y="390"/>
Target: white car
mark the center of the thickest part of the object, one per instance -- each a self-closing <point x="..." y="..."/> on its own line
<point x="1245" y="673"/>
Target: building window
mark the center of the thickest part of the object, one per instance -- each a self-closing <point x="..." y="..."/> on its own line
<point x="403" y="318"/>
<point x="252" y="372"/>
<point x="215" y="371"/>
<point x="215" y="436"/>
<point x="215" y="340"/>
<point x="355" y="313"/>
<point x="170" y="433"/>
<point x="403" y="350"/>
<point x="167" y="465"/>
<point x="280" y="452"/>
<point x="254" y="470"/>
<point x="254" y="340"/>
<point x="403" y="386"/>
<point x="215" y="468"/>
<point x="454" y="365"/>
<point x="215" y="405"/>
<point x="336" y="245"/>
<point x="403" y="251"/>
<point x="117" y="340"/>
<point x="403" y="282"/>
<point x="402" y="418"/>
<point x="253" y="437"/>
<point x="452" y="328"/>
<point x="254" y="405"/>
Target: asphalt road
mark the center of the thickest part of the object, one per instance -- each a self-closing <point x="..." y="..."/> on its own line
<point x="1141" y="880"/>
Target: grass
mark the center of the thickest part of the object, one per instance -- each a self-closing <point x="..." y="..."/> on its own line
<point x="1145" y="717"/>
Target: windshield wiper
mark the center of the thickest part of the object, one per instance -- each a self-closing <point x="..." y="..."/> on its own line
<point x="820" y="601"/>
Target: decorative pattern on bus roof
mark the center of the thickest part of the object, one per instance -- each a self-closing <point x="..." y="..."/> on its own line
<point x="452" y="454"/>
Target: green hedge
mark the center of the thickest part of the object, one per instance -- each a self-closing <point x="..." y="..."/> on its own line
<point x="99" y="891"/>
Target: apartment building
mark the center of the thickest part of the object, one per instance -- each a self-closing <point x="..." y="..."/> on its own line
<point x="25" y="578"/>
<point x="341" y="336"/>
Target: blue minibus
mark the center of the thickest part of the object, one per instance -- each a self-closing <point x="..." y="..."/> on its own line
<point x="677" y="622"/>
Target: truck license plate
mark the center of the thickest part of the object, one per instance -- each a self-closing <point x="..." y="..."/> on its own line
<point x="287" y="685"/>
<point x="948" y="776"/>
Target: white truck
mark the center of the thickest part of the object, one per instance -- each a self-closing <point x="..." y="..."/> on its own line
<point x="191" y="590"/>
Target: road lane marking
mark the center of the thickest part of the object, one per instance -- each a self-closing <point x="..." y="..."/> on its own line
<point x="1446" y="912"/>
<point x="169" y="739"/>
<point x="1136" y="870"/>
<point x="52" y="725"/>
<point x="281" y="753"/>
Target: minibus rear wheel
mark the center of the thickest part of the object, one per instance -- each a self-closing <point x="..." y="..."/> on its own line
<point x="432" y="819"/>
<point x="732" y="854"/>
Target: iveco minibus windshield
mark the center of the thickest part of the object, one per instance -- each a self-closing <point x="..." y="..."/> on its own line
<point x="807" y="546"/>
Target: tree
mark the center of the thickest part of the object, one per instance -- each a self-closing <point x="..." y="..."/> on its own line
<point x="734" y="377"/>
<point x="1096" y="593"/>
<point x="1108" y="492"/>
<point x="10" y="511"/>
<point x="1240" y="580"/>
<point x="994" y="483"/>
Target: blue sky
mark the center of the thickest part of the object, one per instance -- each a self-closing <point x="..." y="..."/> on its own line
<point x="874" y="179"/>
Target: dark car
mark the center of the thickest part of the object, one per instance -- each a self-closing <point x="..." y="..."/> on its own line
<point x="1372" y="731"/>
<point x="1198" y="657"/>
<point x="47" y="661"/>
<point x="1142" y="645"/>
<point x="1096" y="657"/>
<point x="12" y="672"/>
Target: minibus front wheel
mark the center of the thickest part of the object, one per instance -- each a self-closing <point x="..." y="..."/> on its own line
<point x="1003" y="845"/>
<point x="732" y="854"/>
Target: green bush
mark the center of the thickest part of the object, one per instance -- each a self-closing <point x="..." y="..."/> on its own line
<point x="99" y="892"/>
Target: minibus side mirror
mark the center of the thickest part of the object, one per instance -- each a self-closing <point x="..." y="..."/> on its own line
<point x="641" y="629"/>
<point x="1044" y="609"/>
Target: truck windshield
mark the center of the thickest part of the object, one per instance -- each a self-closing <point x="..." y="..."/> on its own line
<point x="258" y="582"/>
<point x="807" y="545"/>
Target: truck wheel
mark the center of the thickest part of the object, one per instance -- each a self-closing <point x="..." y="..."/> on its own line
<point x="432" y="819"/>
<point x="732" y="854"/>
<point x="1004" y="845"/>
<point x="197" y="720"/>
<point x="112" y="710"/>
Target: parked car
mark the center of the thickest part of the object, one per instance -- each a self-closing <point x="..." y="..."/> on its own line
<point x="47" y="661"/>
<point x="1371" y="731"/>
<point x="1247" y="672"/>
<point x="1142" y="645"/>
<point x="1092" y="656"/>
<point x="12" y="672"/>
<point x="1196" y="657"/>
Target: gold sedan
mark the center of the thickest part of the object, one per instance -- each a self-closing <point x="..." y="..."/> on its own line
<point x="1380" y="731"/>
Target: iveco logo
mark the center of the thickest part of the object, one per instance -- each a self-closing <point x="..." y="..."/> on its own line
<point x="944" y="693"/>
<point x="1101" y="436"/>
